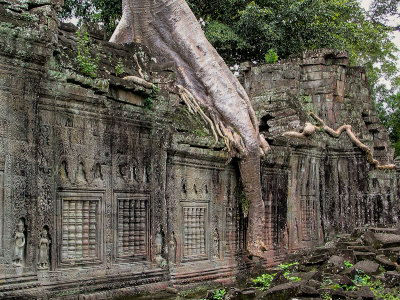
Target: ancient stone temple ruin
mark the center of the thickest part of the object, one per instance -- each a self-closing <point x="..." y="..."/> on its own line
<point x="110" y="187"/>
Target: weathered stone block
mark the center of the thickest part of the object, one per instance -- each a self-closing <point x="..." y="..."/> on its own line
<point x="367" y="266"/>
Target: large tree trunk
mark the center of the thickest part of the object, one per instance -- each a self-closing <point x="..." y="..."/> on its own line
<point x="171" y="31"/>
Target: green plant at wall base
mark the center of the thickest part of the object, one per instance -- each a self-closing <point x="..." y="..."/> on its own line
<point x="119" y="68"/>
<point x="348" y="265"/>
<point x="264" y="281"/>
<point x="219" y="294"/>
<point x="86" y="63"/>
<point x="271" y="57"/>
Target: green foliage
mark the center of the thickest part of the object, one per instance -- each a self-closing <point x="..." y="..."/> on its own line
<point x="87" y="64"/>
<point x="326" y="283"/>
<point x="288" y="268"/>
<point x="326" y="296"/>
<point x="271" y="57"/>
<point x="264" y="281"/>
<point x="348" y="265"/>
<point x="244" y="202"/>
<point x="119" y="68"/>
<point x="389" y="113"/>
<point x="103" y="12"/>
<point x="376" y="286"/>
<point x="200" y="132"/>
<point x="219" y="294"/>
<point x="361" y="279"/>
<point x="149" y="101"/>
<point x="383" y="10"/>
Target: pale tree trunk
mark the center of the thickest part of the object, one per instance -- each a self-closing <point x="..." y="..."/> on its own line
<point x="171" y="31"/>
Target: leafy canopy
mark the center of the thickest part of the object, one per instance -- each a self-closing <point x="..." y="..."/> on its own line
<point x="385" y="12"/>
<point x="243" y="30"/>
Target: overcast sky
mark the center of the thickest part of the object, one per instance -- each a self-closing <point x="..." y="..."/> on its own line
<point x="396" y="37"/>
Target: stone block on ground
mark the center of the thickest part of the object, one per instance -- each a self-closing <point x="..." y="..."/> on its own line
<point x="369" y="238"/>
<point x="362" y="248"/>
<point x="385" y="262"/>
<point x="367" y="266"/>
<point x="351" y="272"/>
<point x="289" y="290"/>
<point x="365" y="293"/>
<point x="392" y="278"/>
<point x="388" y="240"/>
<point x="381" y="240"/>
<point x="335" y="264"/>
<point x="364" y="255"/>
<point x="249" y="293"/>
<point x="332" y="293"/>
<point x="392" y="253"/>
<point x="311" y="275"/>
<point x="279" y="279"/>
<point x="347" y="254"/>
<point x="316" y="260"/>
<point x="342" y="279"/>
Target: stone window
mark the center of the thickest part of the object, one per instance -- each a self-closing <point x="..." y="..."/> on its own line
<point x="81" y="228"/>
<point x="194" y="232"/>
<point x="132" y="239"/>
<point x="309" y="207"/>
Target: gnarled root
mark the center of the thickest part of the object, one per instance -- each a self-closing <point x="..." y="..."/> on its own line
<point x="233" y="141"/>
<point x="310" y="129"/>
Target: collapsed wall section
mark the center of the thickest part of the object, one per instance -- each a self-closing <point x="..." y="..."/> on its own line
<point x="331" y="186"/>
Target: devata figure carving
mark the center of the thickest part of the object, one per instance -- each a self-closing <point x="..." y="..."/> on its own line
<point x="172" y="248"/>
<point x="171" y="31"/>
<point x="44" y="246"/>
<point x="159" y="246"/>
<point x="216" y="243"/>
<point x="19" y="241"/>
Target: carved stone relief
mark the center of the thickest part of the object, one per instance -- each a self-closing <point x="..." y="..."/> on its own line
<point x="97" y="175"/>
<point x="20" y="244"/>
<point x="127" y="171"/>
<point x="159" y="244"/>
<point x="81" y="175"/>
<point x="132" y="220"/>
<point x="230" y="228"/>
<point x="216" y="244"/>
<point x="64" y="174"/>
<point x="80" y="227"/>
<point x="44" y="249"/>
<point x="172" y="248"/>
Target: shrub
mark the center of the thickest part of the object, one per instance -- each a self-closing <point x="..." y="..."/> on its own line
<point x="271" y="57"/>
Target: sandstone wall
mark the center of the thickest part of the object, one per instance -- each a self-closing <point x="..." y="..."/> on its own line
<point x="125" y="188"/>
<point x="330" y="186"/>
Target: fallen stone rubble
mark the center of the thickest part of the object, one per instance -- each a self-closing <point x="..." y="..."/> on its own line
<point x="361" y="265"/>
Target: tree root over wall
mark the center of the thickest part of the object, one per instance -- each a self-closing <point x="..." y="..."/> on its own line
<point x="310" y="129"/>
